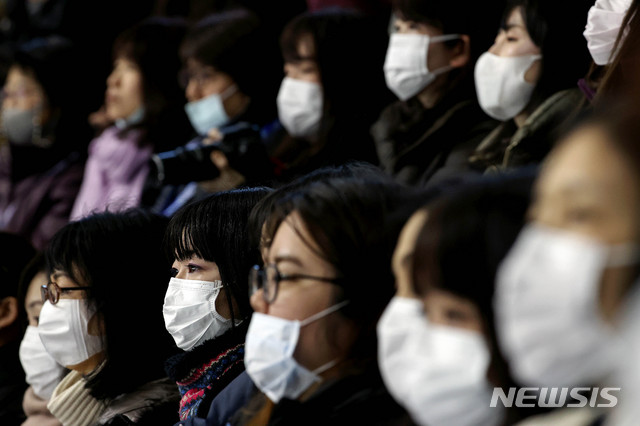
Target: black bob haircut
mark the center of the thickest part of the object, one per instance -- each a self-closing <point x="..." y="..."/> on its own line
<point x="216" y="229"/>
<point x="119" y="256"/>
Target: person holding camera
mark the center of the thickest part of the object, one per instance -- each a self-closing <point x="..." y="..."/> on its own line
<point x="232" y="111"/>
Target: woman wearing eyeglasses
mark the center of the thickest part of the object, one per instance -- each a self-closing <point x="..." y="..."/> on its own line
<point x="311" y="344"/>
<point x="101" y="319"/>
<point x="206" y="307"/>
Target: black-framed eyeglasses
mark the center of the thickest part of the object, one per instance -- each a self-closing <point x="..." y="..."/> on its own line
<point x="52" y="292"/>
<point x="268" y="280"/>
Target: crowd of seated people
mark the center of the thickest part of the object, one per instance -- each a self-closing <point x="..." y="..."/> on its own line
<point x="391" y="212"/>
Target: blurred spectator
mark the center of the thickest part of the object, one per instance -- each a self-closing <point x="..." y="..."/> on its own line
<point x="222" y="55"/>
<point x="429" y="66"/>
<point x="528" y="80"/>
<point x="561" y="289"/>
<point x="438" y="351"/>
<point x="144" y="100"/>
<point x="333" y="65"/>
<point x="42" y="164"/>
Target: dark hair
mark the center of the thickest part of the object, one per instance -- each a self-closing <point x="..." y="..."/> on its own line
<point x="354" y="223"/>
<point x="153" y="46"/>
<point x="36" y="265"/>
<point x="234" y="42"/>
<point x="119" y="255"/>
<point x="264" y="208"/>
<point x="55" y="63"/>
<point x="16" y="252"/>
<point x="466" y="235"/>
<point x="476" y="19"/>
<point x="348" y="49"/>
<point x="557" y="31"/>
<point x="215" y="229"/>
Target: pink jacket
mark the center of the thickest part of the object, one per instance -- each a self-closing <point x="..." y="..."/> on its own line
<point x="114" y="175"/>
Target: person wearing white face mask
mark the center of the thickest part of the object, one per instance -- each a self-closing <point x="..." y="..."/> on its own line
<point x="332" y="90"/>
<point x="101" y="319"/>
<point x="437" y="346"/>
<point x="206" y="307"/>
<point x="562" y="291"/>
<point x="528" y="80"/>
<point x="311" y="343"/>
<point x="43" y="373"/>
<point x="429" y="67"/>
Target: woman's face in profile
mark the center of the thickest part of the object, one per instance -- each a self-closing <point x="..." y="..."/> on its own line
<point x="124" y="89"/>
<point x="294" y="252"/>
<point x="514" y="40"/>
<point x="587" y="187"/>
<point x="306" y="68"/>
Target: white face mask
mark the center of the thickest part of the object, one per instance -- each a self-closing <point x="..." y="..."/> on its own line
<point x="500" y="85"/>
<point x="268" y="356"/>
<point x="547" y="307"/>
<point x="603" y="25"/>
<point x="63" y="329"/>
<point x="405" y="67"/>
<point x="438" y="373"/>
<point x="43" y="372"/>
<point x="300" y="107"/>
<point x="209" y="113"/>
<point x="190" y="314"/>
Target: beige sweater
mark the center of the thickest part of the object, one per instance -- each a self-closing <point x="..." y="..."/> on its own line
<point x="72" y="404"/>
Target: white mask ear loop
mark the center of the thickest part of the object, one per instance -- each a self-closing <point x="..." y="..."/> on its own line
<point x="317" y="316"/>
<point x="228" y="92"/>
<point x="325" y="312"/>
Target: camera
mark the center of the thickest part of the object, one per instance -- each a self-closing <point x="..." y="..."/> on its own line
<point x="241" y="143"/>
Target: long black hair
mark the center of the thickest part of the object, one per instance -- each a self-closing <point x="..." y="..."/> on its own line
<point x="119" y="256"/>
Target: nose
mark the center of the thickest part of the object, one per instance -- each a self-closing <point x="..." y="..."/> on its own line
<point x="257" y="302"/>
<point x="182" y="273"/>
<point x="112" y="79"/>
<point x="192" y="92"/>
<point x="498" y="42"/>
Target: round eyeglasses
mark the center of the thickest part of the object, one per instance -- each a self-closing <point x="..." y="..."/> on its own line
<point x="268" y="280"/>
<point x="52" y="292"/>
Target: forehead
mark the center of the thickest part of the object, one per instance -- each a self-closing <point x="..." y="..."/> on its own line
<point x="20" y="77"/>
<point x="514" y="19"/>
<point x="587" y="161"/>
<point x="293" y="240"/>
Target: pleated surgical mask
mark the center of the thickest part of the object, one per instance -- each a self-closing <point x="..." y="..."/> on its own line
<point x="268" y="356"/>
<point x="209" y="113"/>
<point x="405" y="67"/>
<point x="604" y="22"/>
<point x="501" y="87"/>
<point x="64" y="331"/>
<point x="300" y="106"/>
<point x="547" y="307"/>
<point x="190" y="314"/>
<point x="43" y="373"/>
<point x="437" y="372"/>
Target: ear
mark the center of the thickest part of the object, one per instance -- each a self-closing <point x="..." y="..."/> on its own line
<point x="461" y="54"/>
<point x="8" y="311"/>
